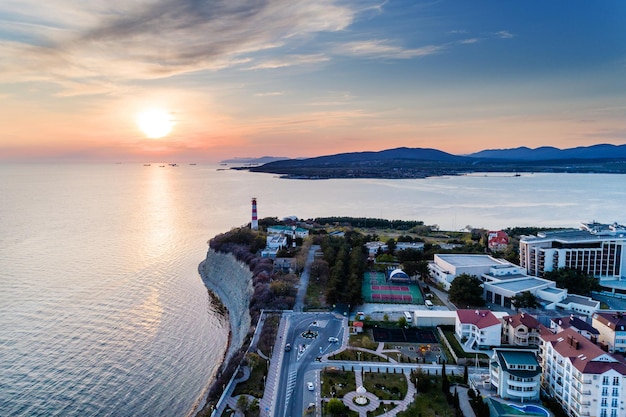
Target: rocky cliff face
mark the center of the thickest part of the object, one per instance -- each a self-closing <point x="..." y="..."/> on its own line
<point x="231" y="281"/>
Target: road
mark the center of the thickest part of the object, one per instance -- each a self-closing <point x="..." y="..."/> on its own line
<point x="304" y="279"/>
<point x="308" y="335"/>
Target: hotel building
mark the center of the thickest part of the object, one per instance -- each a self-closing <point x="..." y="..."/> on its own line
<point x="596" y="249"/>
<point x="586" y="380"/>
<point x="612" y="329"/>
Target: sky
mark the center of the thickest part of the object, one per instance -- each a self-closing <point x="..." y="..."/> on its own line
<point x="302" y="78"/>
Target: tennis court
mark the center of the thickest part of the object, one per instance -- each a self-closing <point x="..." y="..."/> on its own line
<point x="376" y="289"/>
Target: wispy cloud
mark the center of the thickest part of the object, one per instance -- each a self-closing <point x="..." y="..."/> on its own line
<point x="469" y="41"/>
<point x="504" y="34"/>
<point x="271" y="94"/>
<point x="117" y="40"/>
<point x="289" y="61"/>
<point x="384" y="49"/>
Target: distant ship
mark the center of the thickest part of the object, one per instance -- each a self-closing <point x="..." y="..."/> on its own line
<point x="147" y="165"/>
<point x="173" y="165"/>
<point x="191" y="164"/>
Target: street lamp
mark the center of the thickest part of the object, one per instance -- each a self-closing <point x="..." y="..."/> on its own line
<point x="358" y="354"/>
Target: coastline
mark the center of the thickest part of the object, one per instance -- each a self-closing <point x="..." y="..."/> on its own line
<point x="232" y="304"/>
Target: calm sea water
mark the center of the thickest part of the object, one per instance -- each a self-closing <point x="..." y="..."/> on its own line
<point x="102" y="311"/>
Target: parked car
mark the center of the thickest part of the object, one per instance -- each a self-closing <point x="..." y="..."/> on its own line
<point x="287" y="347"/>
<point x="310" y="386"/>
<point x="333" y="339"/>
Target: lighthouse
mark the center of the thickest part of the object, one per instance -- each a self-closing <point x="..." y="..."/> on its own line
<point x="255" y="220"/>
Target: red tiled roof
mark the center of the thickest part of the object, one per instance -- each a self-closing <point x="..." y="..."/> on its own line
<point x="357" y="324"/>
<point x="616" y="321"/>
<point x="523" y="318"/>
<point x="581" y="352"/>
<point x="479" y="318"/>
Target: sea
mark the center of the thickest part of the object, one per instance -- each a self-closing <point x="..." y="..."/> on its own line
<point x="102" y="310"/>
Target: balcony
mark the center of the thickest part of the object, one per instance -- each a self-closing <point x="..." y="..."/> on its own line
<point x="522" y="384"/>
<point x="522" y="394"/>
<point x="583" y="403"/>
<point x="581" y="379"/>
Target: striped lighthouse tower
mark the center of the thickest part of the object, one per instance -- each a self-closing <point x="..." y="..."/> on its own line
<point x="255" y="221"/>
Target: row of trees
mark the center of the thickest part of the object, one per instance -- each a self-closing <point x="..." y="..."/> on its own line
<point x="346" y="259"/>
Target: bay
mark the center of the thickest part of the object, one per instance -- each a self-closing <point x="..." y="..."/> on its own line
<point x="102" y="311"/>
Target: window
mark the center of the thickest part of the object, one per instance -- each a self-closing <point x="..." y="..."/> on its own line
<point x="614" y="402"/>
<point x="604" y="402"/>
<point x="614" y="413"/>
<point x="605" y="391"/>
<point x="603" y="413"/>
<point x="615" y="392"/>
<point x="605" y="380"/>
<point x="616" y="380"/>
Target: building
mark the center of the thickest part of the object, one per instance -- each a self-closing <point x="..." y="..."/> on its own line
<point x="596" y="249"/>
<point x="477" y="329"/>
<point x="409" y="245"/>
<point x="522" y="330"/>
<point x="497" y="241"/>
<point x="612" y="330"/>
<point x="580" y="326"/>
<point x="374" y="247"/>
<point x="446" y="267"/>
<point x="291" y="231"/>
<point x="515" y="374"/>
<point x="586" y="380"/>
<point x="502" y="283"/>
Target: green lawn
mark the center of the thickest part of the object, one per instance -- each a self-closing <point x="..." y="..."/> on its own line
<point x="431" y="403"/>
<point x="386" y="386"/>
<point x="339" y="382"/>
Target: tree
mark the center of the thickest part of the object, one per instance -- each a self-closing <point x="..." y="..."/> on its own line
<point x="525" y="299"/>
<point x="335" y="407"/>
<point x="576" y="281"/>
<point x="402" y="322"/>
<point x="466" y="290"/>
<point x="243" y="403"/>
<point x="465" y="374"/>
<point x="253" y="360"/>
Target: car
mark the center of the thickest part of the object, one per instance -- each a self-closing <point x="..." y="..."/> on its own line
<point x="287" y="347"/>
<point x="310" y="386"/>
<point x="333" y="339"/>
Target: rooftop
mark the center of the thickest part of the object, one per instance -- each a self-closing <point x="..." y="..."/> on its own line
<point x="522" y="284"/>
<point x="615" y="320"/>
<point x="479" y="318"/>
<point x="468" y="260"/>
<point x="579" y="299"/>
<point x="583" y="354"/>
<point x="523" y="318"/>
<point x="573" y="321"/>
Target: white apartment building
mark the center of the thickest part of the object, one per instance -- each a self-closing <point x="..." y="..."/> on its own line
<point x="515" y="374"/>
<point x="596" y="249"/>
<point x="586" y="380"/>
<point x="477" y="329"/>
<point x="612" y="329"/>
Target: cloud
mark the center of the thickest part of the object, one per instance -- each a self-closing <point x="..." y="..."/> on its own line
<point x="504" y="34"/>
<point x="469" y="41"/>
<point x="271" y="94"/>
<point x="383" y="49"/>
<point x="290" y="60"/>
<point x="120" y="40"/>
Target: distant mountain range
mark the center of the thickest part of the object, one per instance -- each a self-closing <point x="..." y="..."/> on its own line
<point x="425" y="162"/>
<point x="547" y="153"/>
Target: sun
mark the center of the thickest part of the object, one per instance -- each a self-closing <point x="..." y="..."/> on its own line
<point x="155" y="123"/>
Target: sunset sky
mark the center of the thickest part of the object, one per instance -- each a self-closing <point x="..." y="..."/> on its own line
<point x="300" y="78"/>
